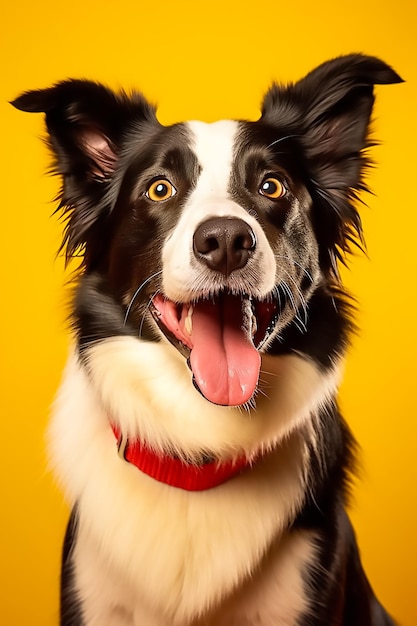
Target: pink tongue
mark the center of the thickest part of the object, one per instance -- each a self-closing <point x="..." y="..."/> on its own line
<point x="225" y="363"/>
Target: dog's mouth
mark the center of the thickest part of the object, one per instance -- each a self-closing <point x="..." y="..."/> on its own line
<point x="221" y="336"/>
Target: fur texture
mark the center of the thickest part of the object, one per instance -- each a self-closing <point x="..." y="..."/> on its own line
<point x="210" y="325"/>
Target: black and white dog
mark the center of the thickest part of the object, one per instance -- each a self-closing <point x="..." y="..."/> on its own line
<point x="196" y="431"/>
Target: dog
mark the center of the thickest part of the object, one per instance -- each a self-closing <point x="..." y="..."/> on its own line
<point x="196" y="432"/>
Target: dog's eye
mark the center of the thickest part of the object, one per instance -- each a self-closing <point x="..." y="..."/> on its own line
<point x="272" y="188"/>
<point x="160" y="190"/>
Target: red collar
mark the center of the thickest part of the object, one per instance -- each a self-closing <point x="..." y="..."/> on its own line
<point x="175" y="472"/>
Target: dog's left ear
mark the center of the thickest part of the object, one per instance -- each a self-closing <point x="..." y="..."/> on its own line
<point x="332" y="104"/>
<point x="328" y="112"/>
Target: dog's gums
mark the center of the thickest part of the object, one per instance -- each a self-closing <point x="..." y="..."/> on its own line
<point x="223" y="335"/>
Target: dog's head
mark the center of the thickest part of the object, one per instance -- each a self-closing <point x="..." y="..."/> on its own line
<point x="214" y="235"/>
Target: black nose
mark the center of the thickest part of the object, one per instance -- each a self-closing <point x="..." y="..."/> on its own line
<point x="224" y="244"/>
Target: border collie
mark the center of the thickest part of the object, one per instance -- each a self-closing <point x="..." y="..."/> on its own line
<point x="196" y="432"/>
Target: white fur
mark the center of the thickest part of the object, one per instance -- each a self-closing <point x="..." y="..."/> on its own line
<point x="146" y="388"/>
<point x="169" y="555"/>
<point x="274" y="595"/>
<point x="213" y="145"/>
<point x="152" y="555"/>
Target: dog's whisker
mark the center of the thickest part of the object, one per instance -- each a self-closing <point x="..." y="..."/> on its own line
<point x="273" y="143"/>
<point x="137" y="292"/>
<point x="301" y="324"/>
<point x="300" y="295"/>
<point x="290" y="295"/>
<point x="262" y="390"/>
<point x="297" y="264"/>
<point x="276" y="291"/>
<point x="274" y="374"/>
<point x="143" y="317"/>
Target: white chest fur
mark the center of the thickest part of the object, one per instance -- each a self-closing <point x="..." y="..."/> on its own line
<point x="165" y="557"/>
<point x="273" y="595"/>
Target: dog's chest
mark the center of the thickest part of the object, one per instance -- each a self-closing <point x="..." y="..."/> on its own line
<point x="163" y="556"/>
<point x="274" y="594"/>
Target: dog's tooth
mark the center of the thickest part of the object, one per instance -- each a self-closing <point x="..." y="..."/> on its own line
<point x="254" y="325"/>
<point x="188" y="323"/>
<point x="251" y="317"/>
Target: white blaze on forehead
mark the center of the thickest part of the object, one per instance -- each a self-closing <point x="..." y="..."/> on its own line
<point x="214" y="147"/>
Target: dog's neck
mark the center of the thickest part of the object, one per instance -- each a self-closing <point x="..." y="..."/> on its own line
<point x="177" y="472"/>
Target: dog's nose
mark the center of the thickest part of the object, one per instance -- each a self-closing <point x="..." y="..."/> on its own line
<point x="224" y="244"/>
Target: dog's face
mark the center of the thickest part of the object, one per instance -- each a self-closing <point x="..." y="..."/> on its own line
<point x="215" y="236"/>
<point x="215" y="245"/>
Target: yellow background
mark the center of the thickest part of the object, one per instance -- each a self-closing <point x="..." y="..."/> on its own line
<point x="204" y="60"/>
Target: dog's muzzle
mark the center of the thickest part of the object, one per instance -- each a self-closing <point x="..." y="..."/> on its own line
<point x="221" y="331"/>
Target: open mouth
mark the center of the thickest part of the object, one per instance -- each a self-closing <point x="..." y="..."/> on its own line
<point x="221" y="337"/>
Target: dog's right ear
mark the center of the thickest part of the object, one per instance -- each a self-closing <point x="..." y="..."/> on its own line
<point x="86" y="123"/>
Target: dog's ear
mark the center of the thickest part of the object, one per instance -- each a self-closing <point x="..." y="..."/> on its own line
<point x="329" y="114"/>
<point x="86" y="124"/>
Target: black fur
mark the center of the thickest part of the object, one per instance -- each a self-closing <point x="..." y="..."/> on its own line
<point x="315" y="133"/>
<point x="70" y="607"/>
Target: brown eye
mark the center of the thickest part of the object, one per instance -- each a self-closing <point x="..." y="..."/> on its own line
<point x="272" y="188"/>
<point x="160" y="190"/>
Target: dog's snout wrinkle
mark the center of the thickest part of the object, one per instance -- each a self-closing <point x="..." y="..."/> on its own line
<point x="224" y="244"/>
